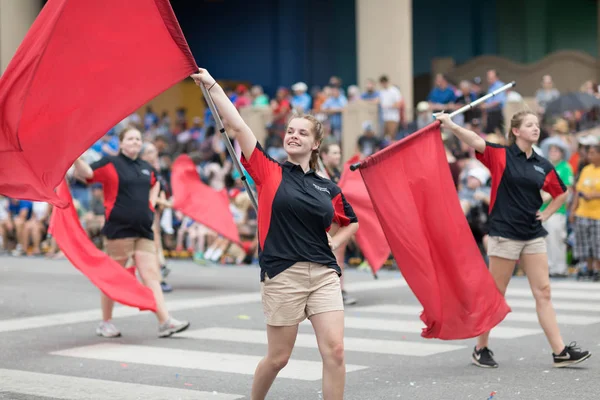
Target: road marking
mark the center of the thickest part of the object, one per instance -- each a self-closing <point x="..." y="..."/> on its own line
<point x="393" y="347"/>
<point x="200" y="360"/>
<point x="516" y="302"/>
<point x="75" y="388"/>
<point x="558" y="294"/>
<point x="396" y="325"/>
<point x="567" y="319"/>
<point x="44" y="321"/>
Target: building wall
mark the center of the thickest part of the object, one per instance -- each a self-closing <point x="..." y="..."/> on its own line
<point x="272" y="42"/>
<point x="16" y="16"/>
<point x="523" y="31"/>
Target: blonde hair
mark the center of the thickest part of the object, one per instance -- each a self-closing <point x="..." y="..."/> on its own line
<point x="318" y="131"/>
<point x="515" y="123"/>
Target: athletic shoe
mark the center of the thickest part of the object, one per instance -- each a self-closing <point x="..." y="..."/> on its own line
<point x="348" y="301"/>
<point x="571" y="355"/>
<point x="484" y="358"/>
<point x="166" y="288"/>
<point x="164" y="271"/>
<point x="107" y="330"/>
<point x="172" y="326"/>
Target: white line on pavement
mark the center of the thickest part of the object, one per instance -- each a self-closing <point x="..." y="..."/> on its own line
<point x="393" y="347"/>
<point x="201" y="360"/>
<point x="75" y="388"/>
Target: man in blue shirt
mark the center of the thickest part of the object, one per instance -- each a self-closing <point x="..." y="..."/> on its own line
<point x="494" y="105"/>
<point x="301" y="100"/>
<point x="441" y="96"/>
<point x="370" y="94"/>
<point x="334" y="106"/>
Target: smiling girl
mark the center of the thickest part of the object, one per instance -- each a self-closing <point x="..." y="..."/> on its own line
<point x="516" y="232"/>
<point x="299" y="275"/>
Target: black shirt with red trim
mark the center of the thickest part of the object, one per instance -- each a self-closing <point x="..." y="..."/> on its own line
<point x="295" y="212"/>
<point x="516" y="184"/>
<point x="127" y="185"/>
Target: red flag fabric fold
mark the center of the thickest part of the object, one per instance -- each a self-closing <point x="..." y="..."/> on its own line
<point x="199" y="201"/>
<point x="81" y="69"/>
<point x="106" y="274"/>
<point x="370" y="236"/>
<point x="416" y="202"/>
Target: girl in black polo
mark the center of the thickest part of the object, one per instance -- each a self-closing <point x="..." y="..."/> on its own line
<point x="130" y="192"/>
<point x="299" y="273"/>
<point x="515" y="223"/>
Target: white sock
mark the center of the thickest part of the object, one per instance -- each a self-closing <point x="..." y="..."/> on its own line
<point x="218" y="253"/>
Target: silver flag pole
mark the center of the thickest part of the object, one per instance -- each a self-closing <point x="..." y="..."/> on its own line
<point x="463" y="109"/>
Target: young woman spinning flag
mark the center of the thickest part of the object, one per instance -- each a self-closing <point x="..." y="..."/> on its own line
<point x="299" y="274"/>
<point x="516" y="231"/>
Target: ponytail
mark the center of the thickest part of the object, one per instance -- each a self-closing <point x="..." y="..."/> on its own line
<point x="314" y="160"/>
<point x="511" y="137"/>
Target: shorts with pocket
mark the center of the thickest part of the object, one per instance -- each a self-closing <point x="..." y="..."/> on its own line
<point x="512" y="249"/>
<point x="299" y="292"/>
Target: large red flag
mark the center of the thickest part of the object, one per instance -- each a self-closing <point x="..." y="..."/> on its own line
<point x="82" y="67"/>
<point x="105" y="273"/>
<point x="415" y="199"/>
<point x="370" y="236"/>
<point x="200" y="202"/>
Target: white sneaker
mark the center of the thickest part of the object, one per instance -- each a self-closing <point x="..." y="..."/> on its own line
<point x="107" y="330"/>
<point x="172" y="326"/>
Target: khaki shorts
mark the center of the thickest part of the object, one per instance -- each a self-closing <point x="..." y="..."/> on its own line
<point x="299" y="292"/>
<point x="122" y="250"/>
<point x="512" y="249"/>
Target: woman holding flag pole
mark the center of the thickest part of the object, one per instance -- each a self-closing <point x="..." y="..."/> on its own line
<point x="516" y="231"/>
<point x="300" y="277"/>
<point x="131" y="189"/>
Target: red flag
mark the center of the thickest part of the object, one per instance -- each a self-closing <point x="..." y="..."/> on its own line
<point x="81" y="69"/>
<point x="106" y="274"/>
<point x="415" y="199"/>
<point x="200" y="202"/>
<point x="370" y="236"/>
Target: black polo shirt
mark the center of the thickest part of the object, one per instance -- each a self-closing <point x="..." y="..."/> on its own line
<point x="295" y="211"/>
<point x="516" y="184"/>
<point x="126" y="185"/>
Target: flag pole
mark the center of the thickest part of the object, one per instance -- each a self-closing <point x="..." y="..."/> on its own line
<point x="463" y="109"/>
<point x="230" y="149"/>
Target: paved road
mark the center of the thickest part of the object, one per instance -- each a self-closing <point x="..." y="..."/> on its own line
<point x="48" y="349"/>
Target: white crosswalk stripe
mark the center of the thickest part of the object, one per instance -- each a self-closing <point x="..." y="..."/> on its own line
<point x="366" y="345"/>
<point x="75" y="388"/>
<point x="200" y="360"/>
<point x="566" y="319"/>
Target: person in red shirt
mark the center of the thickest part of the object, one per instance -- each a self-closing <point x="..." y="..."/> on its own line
<point x="281" y="108"/>
<point x="131" y="189"/>
<point x="515" y="224"/>
<point x="300" y="277"/>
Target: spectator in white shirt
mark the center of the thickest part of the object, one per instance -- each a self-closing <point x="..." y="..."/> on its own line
<point x="389" y="99"/>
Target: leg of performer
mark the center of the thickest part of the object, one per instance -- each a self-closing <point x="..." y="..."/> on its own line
<point x="325" y="309"/>
<point x="281" y="340"/>
<point x="146" y="262"/>
<point x="501" y="270"/>
<point x="536" y="268"/>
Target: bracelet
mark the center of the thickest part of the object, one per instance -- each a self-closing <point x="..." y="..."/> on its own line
<point x="211" y="86"/>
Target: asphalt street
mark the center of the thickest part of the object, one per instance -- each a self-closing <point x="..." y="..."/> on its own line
<point x="48" y="348"/>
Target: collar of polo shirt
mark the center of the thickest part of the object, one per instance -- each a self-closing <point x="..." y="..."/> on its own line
<point x="291" y="166"/>
<point x="518" y="152"/>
